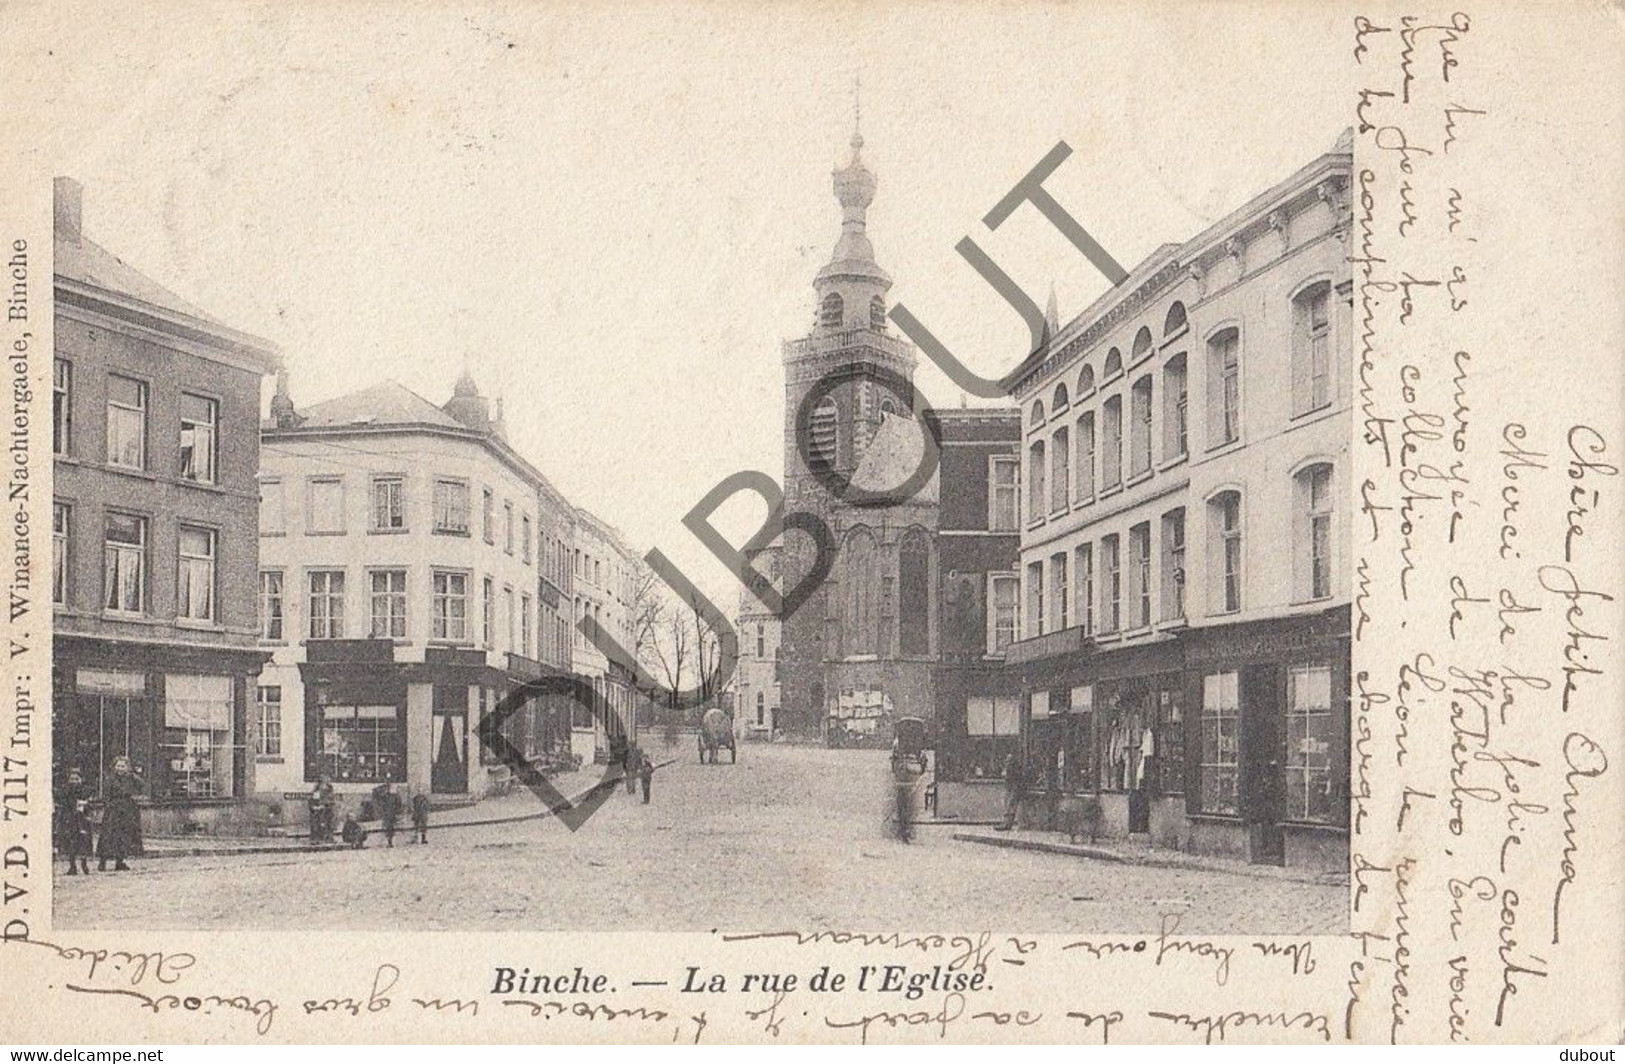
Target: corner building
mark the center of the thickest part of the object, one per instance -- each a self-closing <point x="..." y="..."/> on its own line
<point x="155" y="441"/>
<point x="406" y="585"/>
<point x="1185" y="566"/>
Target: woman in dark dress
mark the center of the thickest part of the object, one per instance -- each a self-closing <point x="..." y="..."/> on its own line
<point x="73" y="823"/>
<point x="121" y="823"/>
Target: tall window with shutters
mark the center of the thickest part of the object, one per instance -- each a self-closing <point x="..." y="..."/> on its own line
<point x="1084" y="475"/>
<point x="824" y="434"/>
<point x="1139" y="575"/>
<point x="1083" y="577"/>
<point x="1173" y="564"/>
<point x="1036" y="494"/>
<point x="1312" y="563"/>
<point x="1060" y="591"/>
<point x="1111" y="584"/>
<point x="1174" y="412"/>
<point x="1003" y="591"/>
<point x="1111" y="451"/>
<point x="1224" y="388"/>
<point x="1311" y="349"/>
<point x="1060" y="487"/>
<point x="1033" y="623"/>
<point x="1004" y="500"/>
<point x="1140" y="426"/>
<point x="1224" y="552"/>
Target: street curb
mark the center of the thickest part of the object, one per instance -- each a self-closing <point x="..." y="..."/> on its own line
<point x="1096" y="853"/>
<point x="326" y="847"/>
<point x="1040" y="846"/>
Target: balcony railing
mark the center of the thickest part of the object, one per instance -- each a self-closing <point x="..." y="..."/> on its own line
<point x="880" y="342"/>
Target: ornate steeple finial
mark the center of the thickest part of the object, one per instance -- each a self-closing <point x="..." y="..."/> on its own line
<point x="857" y="115"/>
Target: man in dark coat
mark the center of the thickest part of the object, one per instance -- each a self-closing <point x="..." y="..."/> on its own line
<point x="321" y="810"/>
<point x="1012" y="791"/>
<point x="73" y="823"/>
<point x="121" y="823"/>
<point x="646" y="773"/>
<point x="387" y="804"/>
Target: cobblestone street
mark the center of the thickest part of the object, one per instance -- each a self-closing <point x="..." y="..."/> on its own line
<point x="790" y="837"/>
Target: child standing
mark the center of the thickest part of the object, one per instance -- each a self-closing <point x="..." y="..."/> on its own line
<point x="420" y="818"/>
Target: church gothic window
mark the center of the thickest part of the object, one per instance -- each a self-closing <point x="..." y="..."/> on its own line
<point x="862" y="582"/>
<point x="914" y="580"/>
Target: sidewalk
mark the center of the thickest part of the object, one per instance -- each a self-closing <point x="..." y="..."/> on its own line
<point x="1142" y="853"/>
<point x="516" y="806"/>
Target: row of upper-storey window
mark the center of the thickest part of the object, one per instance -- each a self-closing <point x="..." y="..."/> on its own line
<point x="127" y="566"/>
<point x="326" y="596"/>
<point x="1080" y="453"/>
<point x="128" y="424"/>
<point x="388" y="510"/>
<point x="1113" y="586"/>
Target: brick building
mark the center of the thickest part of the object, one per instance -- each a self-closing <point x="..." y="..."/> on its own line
<point x="156" y="550"/>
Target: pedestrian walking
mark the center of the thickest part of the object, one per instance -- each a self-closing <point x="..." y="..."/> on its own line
<point x="387" y="804"/>
<point x="121" y="823"/>
<point x="73" y="831"/>
<point x="646" y="773"/>
<point x="420" y="818"/>
<point x="353" y="834"/>
<point x="321" y="809"/>
<point x="633" y="765"/>
<point x="1012" y="791"/>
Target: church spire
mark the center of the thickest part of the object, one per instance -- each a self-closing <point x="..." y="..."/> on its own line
<point x="852" y="286"/>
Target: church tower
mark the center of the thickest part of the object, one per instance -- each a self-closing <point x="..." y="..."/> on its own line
<point x="862" y="644"/>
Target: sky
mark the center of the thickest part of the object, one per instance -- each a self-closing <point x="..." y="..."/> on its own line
<point x="612" y="214"/>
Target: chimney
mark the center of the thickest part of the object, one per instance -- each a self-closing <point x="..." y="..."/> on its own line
<point x="70" y="209"/>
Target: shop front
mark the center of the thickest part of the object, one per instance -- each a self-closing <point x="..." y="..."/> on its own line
<point x="179" y="714"/>
<point x="1231" y="740"/>
<point x="1270" y="737"/>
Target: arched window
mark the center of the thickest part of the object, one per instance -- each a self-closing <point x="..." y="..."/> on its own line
<point x="1139" y="452"/>
<point x="761" y="710"/>
<point x="1312" y="532"/>
<point x="1311" y="349"/>
<point x="1084" y="477"/>
<point x="1176" y="322"/>
<point x="1035" y="481"/>
<point x="1224" y="556"/>
<point x="1060" y="456"/>
<point x="1114" y="363"/>
<point x="1086" y="381"/>
<point x="1059" y="402"/>
<point x="824" y="433"/>
<point x="861" y="580"/>
<point x="887" y="409"/>
<point x="1174" y="408"/>
<point x="1223" y="387"/>
<point x="1111" y="444"/>
<point x="914" y="593"/>
<point x="1036" y="418"/>
<point x="1142" y="346"/>
<point x="831" y="311"/>
<point x="877" y="314"/>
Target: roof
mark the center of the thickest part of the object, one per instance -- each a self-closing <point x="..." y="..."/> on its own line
<point x="386" y="403"/>
<point x="892" y="458"/>
<point x="88" y="262"/>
